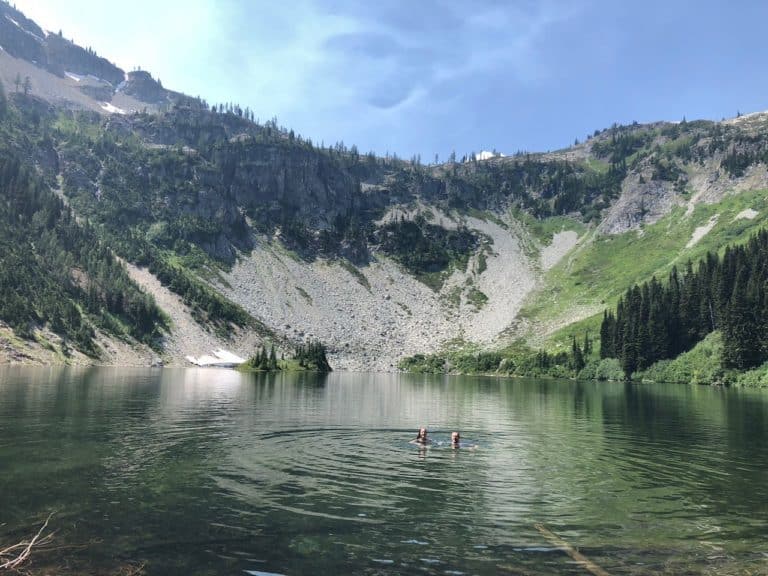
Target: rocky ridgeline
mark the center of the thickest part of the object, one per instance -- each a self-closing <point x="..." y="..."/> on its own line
<point x="23" y="38"/>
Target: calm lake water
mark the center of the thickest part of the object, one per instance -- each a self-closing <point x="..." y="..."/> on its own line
<point x="216" y="472"/>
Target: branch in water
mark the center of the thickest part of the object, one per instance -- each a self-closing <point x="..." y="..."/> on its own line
<point x="26" y="548"/>
<point x="577" y="556"/>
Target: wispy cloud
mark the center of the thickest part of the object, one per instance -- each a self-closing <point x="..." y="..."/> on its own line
<point x="370" y="67"/>
<point x="402" y="50"/>
<point x="333" y="68"/>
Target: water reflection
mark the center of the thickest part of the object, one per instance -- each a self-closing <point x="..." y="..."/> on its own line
<point x="210" y="471"/>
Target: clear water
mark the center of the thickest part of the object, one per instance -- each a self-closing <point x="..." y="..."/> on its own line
<point x="215" y="472"/>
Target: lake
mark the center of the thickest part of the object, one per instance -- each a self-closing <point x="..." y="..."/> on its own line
<point x="202" y="471"/>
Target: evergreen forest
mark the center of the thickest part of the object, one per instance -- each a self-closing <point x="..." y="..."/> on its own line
<point x="656" y="321"/>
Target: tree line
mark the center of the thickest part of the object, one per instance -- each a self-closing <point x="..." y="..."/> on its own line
<point x="55" y="272"/>
<point x="655" y="321"/>
<point x="311" y="356"/>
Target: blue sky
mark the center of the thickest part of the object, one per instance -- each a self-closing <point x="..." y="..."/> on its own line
<point x="432" y="76"/>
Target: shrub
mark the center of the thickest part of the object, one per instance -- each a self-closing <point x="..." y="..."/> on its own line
<point x="605" y="369"/>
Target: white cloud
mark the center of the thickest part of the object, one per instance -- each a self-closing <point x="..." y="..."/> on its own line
<point x="334" y="69"/>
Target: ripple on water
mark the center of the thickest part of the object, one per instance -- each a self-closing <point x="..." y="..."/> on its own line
<point x="337" y="468"/>
<point x="309" y="479"/>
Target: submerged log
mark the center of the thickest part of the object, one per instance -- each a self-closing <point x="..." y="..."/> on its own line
<point x="577" y="556"/>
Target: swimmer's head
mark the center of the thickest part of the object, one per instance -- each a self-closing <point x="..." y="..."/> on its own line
<point x="455" y="438"/>
<point x="422" y="435"/>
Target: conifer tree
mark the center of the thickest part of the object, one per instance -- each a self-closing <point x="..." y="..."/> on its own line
<point x="577" y="357"/>
<point x="3" y="102"/>
<point x="272" y="358"/>
<point x="729" y="293"/>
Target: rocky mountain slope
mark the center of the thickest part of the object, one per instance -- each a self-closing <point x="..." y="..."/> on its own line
<point x="245" y="233"/>
<point x="69" y="75"/>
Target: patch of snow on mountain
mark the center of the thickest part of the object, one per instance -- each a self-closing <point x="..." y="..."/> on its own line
<point x="486" y="155"/>
<point x="75" y="77"/>
<point x="20" y="27"/>
<point x="112" y="109"/>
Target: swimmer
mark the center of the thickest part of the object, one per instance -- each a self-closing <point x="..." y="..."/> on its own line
<point x="421" y="437"/>
<point x="456" y="442"/>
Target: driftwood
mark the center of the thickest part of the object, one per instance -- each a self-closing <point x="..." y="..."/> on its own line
<point x="15" y="555"/>
<point x="577" y="556"/>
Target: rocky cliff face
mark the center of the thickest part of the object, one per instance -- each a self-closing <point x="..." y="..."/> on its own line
<point x="20" y="36"/>
<point x="23" y="38"/>
<point x="144" y="88"/>
<point x="59" y="68"/>
<point x="687" y="164"/>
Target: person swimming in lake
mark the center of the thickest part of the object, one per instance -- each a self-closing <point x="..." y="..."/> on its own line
<point x="421" y="437"/>
<point x="456" y="442"/>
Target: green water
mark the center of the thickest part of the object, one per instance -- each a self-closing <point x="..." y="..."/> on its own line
<point x="216" y="472"/>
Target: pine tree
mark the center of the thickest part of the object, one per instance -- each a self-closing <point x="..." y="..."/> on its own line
<point x="577" y="357"/>
<point x="741" y="340"/>
<point x="607" y="336"/>
<point x="587" y="349"/>
<point x="272" y="359"/>
<point x="3" y="102"/>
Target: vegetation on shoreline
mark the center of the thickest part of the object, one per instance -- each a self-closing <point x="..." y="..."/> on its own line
<point x="518" y="359"/>
<point x="311" y="357"/>
<point x="708" y="325"/>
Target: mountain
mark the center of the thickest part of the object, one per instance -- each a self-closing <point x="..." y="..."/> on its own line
<point x="69" y="75"/>
<point x="238" y="233"/>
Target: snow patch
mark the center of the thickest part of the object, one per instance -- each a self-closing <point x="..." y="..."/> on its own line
<point x="20" y="27"/>
<point x="702" y="231"/>
<point x="112" y="109"/>
<point x="75" y="77"/>
<point x="486" y="155"/>
<point x="747" y="214"/>
<point x="220" y="359"/>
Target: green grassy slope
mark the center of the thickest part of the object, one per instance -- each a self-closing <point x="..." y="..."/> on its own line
<point x="601" y="268"/>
